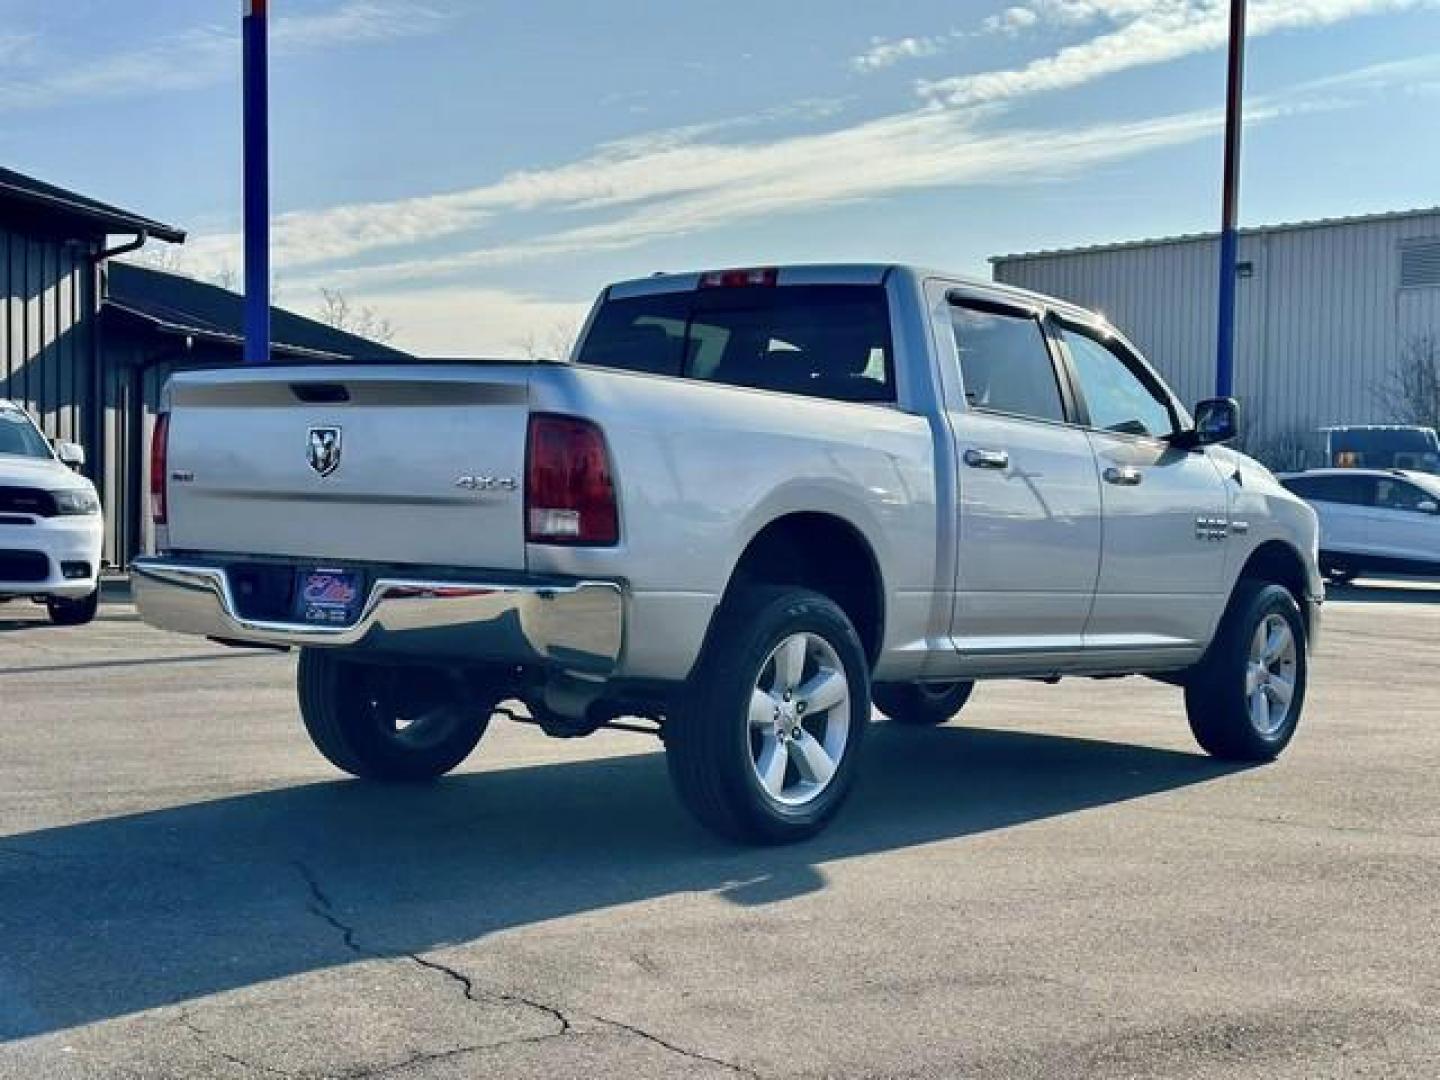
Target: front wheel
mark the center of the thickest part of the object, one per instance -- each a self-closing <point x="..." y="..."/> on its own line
<point x="764" y="747"/>
<point x="389" y="721"/>
<point x="1244" y="700"/>
<point x="922" y="704"/>
<point x="65" y="612"/>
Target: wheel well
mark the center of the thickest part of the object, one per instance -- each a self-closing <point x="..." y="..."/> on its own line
<point x="824" y="553"/>
<point x="1278" y="562"/>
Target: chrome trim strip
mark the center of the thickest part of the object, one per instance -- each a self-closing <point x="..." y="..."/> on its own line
<point x="577" y="626"/>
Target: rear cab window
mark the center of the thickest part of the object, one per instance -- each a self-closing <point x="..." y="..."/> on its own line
<point x="827" y="341"/>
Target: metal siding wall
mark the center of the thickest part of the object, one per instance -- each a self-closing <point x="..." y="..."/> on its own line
<point x="113" y="493"/>
<point x="44" y="343"/>
<point x="1318" y="326"/>
<point x="49" y="310"/>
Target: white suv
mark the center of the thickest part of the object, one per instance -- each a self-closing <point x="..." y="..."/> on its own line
<point x="1385" y="520"/>
<point x="51" y="530"/>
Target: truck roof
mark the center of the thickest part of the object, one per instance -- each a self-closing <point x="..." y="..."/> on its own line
<point x="857" y="273"/>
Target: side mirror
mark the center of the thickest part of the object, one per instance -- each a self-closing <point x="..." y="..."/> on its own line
<point x="1428" y="506"/>
<point x="1217" y="420"/>
<point x="69" y="453"/>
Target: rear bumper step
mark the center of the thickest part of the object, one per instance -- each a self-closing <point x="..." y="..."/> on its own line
<point x="577" y="626"/>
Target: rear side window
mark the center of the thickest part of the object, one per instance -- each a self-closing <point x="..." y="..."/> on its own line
<point x="830" y="341"/>
<point x="1005" y="363"/>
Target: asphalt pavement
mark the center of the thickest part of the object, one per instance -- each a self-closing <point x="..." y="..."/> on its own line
<point x="1056" y="884"/>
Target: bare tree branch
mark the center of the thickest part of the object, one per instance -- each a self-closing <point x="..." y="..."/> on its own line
<point x="336" y="310"/>
<point x="554" y="344"/>
<point x="1411" y="391"/>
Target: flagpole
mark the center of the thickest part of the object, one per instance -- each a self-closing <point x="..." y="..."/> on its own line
<point x="257" y="180"/>
<point x="1229" y="240"/>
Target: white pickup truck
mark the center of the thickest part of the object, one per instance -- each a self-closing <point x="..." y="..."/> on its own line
<point x="750" y="503"/>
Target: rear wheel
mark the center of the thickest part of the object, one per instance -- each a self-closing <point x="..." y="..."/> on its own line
<point x="1244" y="701"/>
<point x="922" y="704"/>
<point x="65" y="612"/>
<point x="390" y="722"/>
<point x="764" y="747"/>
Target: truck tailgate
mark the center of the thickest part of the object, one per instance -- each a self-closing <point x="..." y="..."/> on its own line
<point x="383" y="464"/>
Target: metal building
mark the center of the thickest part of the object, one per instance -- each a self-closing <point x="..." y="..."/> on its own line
<point x="1325" y="310"/>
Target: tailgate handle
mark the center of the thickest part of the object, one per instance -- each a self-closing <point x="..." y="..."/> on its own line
<point x="320" y="393"/>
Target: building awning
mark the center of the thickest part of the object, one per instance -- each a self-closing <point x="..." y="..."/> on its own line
<point x="90" y="216"/>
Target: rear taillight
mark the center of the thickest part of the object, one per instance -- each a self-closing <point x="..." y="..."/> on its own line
<point x="569" y="493"/>
<point x="159" y="455"/>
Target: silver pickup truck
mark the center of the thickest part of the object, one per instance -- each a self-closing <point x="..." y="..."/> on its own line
<point x="750" y="504"/>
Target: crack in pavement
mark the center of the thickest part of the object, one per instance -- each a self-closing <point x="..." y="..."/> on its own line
<point x="682" y="1051"/>
<point x="323" y="908"/>
<point x="203" y="1037"/>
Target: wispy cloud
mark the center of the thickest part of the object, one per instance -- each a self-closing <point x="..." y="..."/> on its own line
<point x="882" y="158"/>
<point x="1416" y="74"/>
<point x="202" y="55"/>
<point x="1145" y="32"/>
<point x="884" y="52"/>
<point x="1011" y="21"/>
<point x="681" y="181"/>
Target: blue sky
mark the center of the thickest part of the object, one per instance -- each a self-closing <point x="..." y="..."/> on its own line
<point x="476" y="170"/>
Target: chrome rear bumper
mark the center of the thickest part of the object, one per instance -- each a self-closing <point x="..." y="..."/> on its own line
<point x="577" y="626"/>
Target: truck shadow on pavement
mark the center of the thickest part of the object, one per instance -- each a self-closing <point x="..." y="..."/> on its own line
<point x="108" y="918"/>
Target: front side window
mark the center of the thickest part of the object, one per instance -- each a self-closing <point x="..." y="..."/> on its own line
<point x="830" y="341"/>
<point x="1005" y="363"/>
<point x="1400" y="495"/>
<point x="19" y="437"/>
<point x="1117" y="398"/>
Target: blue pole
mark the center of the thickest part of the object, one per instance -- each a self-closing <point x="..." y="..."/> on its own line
<point x="257" y="181"/>
<point x="1229" y="246"/>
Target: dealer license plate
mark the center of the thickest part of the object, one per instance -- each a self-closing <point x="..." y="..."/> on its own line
<point x="328" y="597"/>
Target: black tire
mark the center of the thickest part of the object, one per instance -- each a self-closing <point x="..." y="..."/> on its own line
<point x="389" y="722"/>
<point x="710" y="743"/>
<point x="65" y="612"/>
<point x="1217" y="696"/>
<point x="922" y="704"/>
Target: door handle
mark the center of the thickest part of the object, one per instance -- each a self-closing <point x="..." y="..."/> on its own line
<point x="987" y="459"/>
<point x="1124" y="475"/>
